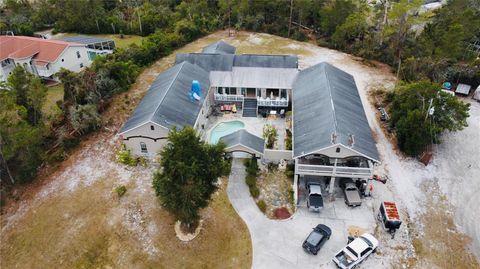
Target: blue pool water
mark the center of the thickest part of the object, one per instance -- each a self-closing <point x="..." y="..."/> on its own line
<point x="223" y="129"/>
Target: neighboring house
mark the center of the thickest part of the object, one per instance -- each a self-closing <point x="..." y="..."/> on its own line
<point x="40" y="57"/>
<point x="96" y="46"/>
<point x="331" y="134"/>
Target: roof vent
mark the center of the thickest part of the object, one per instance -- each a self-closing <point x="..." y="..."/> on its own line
<point x="351" y="140"/>
<point x="195" y="93"/>
<point x="334" y="138"/>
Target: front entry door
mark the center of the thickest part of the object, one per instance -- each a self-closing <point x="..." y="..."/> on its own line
<point x="251" y="92"/>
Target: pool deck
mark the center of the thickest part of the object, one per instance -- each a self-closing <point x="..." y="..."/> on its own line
<point x="252" y="125"/>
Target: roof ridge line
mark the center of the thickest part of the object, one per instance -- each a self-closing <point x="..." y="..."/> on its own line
<point x="168" y="89"/>
<point x="331" y="97"/>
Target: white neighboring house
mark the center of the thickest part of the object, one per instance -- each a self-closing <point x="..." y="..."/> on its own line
<point x="41" y="57"/>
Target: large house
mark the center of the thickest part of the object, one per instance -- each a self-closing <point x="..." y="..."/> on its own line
<point x="41" y="57"/>
<point x="331" y="135"/>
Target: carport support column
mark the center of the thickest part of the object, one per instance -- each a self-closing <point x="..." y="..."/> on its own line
<point x="331" y="187"/>
<point x="295" y="190"/>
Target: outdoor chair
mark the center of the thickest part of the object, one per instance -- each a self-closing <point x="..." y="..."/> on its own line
<point x="282" y="113"/>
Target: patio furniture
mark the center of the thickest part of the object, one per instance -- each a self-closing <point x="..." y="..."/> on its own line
<point x="282" y="113"/>
<point x="234" y="108"/>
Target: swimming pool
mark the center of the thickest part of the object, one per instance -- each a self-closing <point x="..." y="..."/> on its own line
<point x="223" y="129"/>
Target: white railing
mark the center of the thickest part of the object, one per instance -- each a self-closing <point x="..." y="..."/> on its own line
<point x="229" y="97"/>
<point x="265" y="102"/>
<point x="335" y="171"/>
<point x="44" y="72"/>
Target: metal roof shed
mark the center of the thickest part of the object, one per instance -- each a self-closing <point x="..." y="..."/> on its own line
<point x="168" y="101"/>
<point x="327" y="110"/>
<point x="463" y="89"/>
<point x="243" y="141"/>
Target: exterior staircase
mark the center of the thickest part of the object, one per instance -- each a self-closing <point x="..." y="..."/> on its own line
<point x="250" y="107"/>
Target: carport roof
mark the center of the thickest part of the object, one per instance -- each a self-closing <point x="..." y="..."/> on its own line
<point x="327" y="110"/>
<point x="168" y="102"/>
<point x="243" y="138"/>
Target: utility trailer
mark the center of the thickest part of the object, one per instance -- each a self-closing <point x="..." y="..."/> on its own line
<point x="389" y="217"/>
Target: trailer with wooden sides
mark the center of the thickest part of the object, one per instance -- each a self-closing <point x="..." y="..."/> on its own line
<point x="389" y="217"/>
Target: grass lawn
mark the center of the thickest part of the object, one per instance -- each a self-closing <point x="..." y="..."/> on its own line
<point x="54" y="94"/>
<point x="120" y="42"/>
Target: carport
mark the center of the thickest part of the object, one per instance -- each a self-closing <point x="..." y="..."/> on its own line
<point x="244" y="142"/>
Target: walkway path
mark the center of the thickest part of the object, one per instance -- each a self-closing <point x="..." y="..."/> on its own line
<point x="277" y="244"/>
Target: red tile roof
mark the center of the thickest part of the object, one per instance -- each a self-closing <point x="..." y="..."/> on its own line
<point x="21" y="47"/>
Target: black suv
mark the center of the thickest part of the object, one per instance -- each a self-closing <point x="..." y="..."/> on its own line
<point x="316" y="239"/>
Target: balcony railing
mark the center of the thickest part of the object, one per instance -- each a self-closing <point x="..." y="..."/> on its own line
<point x="229" y="97"/>
<point x="265" y="102"/>
<point x="335" y="171"/>
<point x="44" y="72"/>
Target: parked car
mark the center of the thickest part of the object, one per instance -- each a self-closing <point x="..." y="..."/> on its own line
<point x="356" y="251"/>
<point x="352" y="194"/>
<point x="315" y="198"/>
<point x="316" y="239"/>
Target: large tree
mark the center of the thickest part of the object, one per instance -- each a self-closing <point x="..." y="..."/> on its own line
<point x="187" y="180"/>
<point x="421" y="112"/>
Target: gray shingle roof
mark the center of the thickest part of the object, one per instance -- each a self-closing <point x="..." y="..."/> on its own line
<point x="244" y="138"/>
<point x="168" y="102"/>
<point x="326" y="101"/>
<point x="269" y="61"/>
<point x="219" y="47"/>
<point x="225" y="62"/>
<point x="207" y="61"/>
<point x="87" y="40"/>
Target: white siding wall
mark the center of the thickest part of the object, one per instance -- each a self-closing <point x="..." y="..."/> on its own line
<point x="272" y="155"/>
<point x="202" y="116"/>
<point x="153" y="147"/>
<point x="71" y="61"/>
<point x="344" y="152"/>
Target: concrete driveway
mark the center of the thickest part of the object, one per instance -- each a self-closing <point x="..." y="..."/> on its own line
<point x="278" y="244"/>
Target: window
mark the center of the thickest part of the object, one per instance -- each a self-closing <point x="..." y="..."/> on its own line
<point x="231" y="90"/>
<point x="364" y="252"/>
<point x="143" y="147"/>
<point x="337" y="150"/>
<point x="78" y="54"/>
<point x="219" y="90"/>
<point x="81" y="65"/>
<point x="283" y="93"/>
<point x="152" y="127"/>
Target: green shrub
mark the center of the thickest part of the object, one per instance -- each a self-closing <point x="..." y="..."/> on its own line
<point x="272" y="167"/>
<point x="120" y="190"/>
<point x="124" y="156"/>
<point x="251" y="181"/>
<point x="262" y="206"/>
<point x="252" y="166"/>
<point x="254" y="191"/>
<point x="270" y="135"/>
<point x="288" y="140"/>
<point x="291" y="194"/>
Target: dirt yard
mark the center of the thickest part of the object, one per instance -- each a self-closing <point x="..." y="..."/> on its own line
<point x="70" y="218"/>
